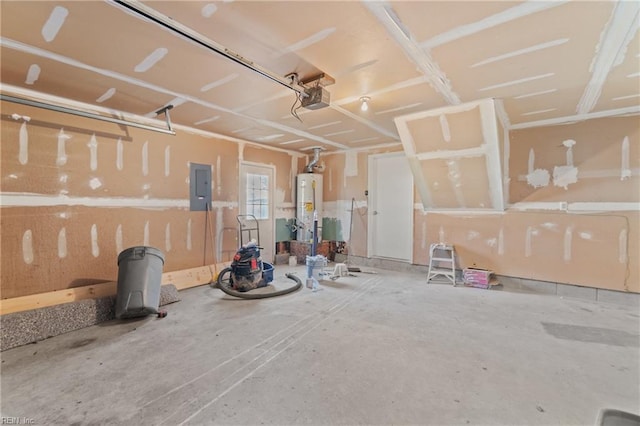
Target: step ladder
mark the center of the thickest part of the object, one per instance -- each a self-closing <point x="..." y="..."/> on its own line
<point x="442" y="261"/>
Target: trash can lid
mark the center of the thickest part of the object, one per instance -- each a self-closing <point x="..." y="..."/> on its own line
<point x="131" y="251"/>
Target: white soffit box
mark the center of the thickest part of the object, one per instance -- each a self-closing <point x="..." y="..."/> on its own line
<point x="454" y="154"/>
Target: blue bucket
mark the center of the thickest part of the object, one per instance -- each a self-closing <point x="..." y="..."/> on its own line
<point x="267" y="272"/>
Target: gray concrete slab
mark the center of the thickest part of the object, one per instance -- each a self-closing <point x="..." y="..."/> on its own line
<point x="577" y="292"/>
<point x="619" y="298"/>
<point x="535" y="286"/>
<point x="374" y="349"/>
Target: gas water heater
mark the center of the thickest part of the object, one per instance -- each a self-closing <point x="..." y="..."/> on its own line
<point x="308" y="201"/>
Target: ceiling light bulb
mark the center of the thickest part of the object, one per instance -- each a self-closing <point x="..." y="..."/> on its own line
<point x="365" y="103"/>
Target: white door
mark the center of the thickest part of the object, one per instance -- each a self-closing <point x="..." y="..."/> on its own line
<point x="390" y="207"/>
<point x="256" y="198"/>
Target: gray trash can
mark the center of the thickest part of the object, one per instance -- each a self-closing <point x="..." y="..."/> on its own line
<point x="139" y="281"/>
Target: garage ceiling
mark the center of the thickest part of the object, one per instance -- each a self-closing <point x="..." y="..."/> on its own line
<point x="548" y="62"/>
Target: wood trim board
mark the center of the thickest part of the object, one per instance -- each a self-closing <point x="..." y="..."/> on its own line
<point x="182" y="279"/>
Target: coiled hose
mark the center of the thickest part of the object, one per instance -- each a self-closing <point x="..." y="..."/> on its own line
<point x="223" y="284"/>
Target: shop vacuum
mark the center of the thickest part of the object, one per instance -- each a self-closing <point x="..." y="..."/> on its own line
<point x="248" y="272"/>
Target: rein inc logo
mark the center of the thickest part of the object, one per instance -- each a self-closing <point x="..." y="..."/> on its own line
<point x="8" y="420"/>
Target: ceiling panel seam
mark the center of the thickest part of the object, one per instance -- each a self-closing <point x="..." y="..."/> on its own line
<point x="336" y="105"/>
<point x="528" y="110"/>
<point x="532" y="94"/>
<point x="524" y="9"/>
<point x="219" y="82"/>
<point x="22" y="47"/>
<point x="539" y="111"/>
<point x="147" y="13"/>
<point x="32" y="74"/>
<point x="519" y="52"/>
<point x="518" y="81"/>
<point x="125" y="115"/>
<point x="388" y="18"/>
<point x="396" y="109"/>
<point x="615" y="37"/>
<point x="396" y="86"/>
<point x="54" y="23"/>
<point x="632" y="110"/>
<point x="365" y="148"/>
<point x="206" y="120"/>
<point x="275" y="97"/>
<point x="620" y="98"/>
<point x="366" y="122"/>
<point x="160" y="53"/>
<point x="106" y="95"/>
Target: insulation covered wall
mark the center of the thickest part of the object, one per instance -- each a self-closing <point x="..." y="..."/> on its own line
<point x="76" y="192"/>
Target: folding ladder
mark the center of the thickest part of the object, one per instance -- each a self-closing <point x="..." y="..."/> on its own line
<point x="442" y="261"/>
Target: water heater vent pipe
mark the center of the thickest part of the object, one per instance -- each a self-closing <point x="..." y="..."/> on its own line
<point x="316" y="158"/>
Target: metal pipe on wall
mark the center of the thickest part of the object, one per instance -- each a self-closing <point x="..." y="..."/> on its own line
<point x="85" y="114"/>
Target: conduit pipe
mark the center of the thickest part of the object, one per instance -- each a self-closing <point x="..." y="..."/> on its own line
<point x="94" y="116"/>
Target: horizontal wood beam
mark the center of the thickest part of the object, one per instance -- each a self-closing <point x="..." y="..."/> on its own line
<point x="182" y="279"/>
<point x="193" y="277"/>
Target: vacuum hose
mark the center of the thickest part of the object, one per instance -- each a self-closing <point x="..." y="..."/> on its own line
<point x="223" y="284"/>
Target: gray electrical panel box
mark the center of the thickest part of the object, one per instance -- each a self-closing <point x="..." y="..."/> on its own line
<point x="199" y="186"/>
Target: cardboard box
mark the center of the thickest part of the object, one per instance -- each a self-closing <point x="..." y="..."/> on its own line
<point x="477" y="277"/>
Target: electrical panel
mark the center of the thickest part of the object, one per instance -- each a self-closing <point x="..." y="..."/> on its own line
<point x="199" y="187"/>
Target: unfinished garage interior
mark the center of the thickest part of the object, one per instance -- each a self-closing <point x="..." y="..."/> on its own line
<point x="380" y="136"/>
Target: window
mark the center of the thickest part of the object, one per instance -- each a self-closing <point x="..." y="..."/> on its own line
<point x="258" y="195"/>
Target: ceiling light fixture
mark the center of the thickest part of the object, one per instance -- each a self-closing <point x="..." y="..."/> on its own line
<point x="365" y="103"/>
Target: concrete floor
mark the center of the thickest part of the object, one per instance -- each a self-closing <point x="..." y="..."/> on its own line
<point x="376" y="349"/>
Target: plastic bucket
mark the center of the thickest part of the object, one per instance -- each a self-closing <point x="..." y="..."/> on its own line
<point x="315" y="265"/>
<point x="267" y="272"/>
<point x="139" y="281"/>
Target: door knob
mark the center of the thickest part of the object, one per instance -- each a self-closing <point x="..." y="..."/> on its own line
<point x="375" y="212"/>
